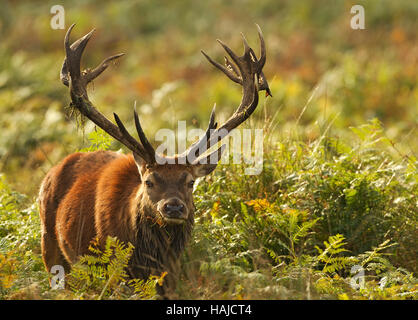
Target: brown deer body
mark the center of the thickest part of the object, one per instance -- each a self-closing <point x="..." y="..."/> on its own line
<point x="145" y="198"/>
<point x="99" y="194"/>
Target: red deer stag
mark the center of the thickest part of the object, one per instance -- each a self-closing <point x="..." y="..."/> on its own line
<point x="144" y="198"/>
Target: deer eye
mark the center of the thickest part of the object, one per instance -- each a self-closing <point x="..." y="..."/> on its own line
<point x="190" y="184"/>
<point x="149" y="184"/>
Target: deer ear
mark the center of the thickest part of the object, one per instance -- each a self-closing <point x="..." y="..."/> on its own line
<point x="205" y="165"/>
<point x="140" y="163"/>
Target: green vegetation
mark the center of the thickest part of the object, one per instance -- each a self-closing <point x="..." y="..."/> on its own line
<point x="339" y="183"/>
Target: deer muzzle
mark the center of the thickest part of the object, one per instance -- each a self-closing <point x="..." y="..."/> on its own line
<point x="173" y="210"/>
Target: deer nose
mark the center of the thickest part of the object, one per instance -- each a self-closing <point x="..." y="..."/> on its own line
<point x="173" y="209"/>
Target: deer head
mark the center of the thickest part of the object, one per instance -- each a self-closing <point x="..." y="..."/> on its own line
<point x="166" y="185"/>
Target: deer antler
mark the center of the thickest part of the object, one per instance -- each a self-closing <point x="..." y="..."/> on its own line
<point x="77" y="80"/>
<point x="247" y="72"/>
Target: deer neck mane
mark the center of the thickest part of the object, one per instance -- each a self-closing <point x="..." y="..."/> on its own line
<point x="158" y="245"/>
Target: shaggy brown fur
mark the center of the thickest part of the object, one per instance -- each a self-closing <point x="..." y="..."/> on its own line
<point x="102" y="194"/>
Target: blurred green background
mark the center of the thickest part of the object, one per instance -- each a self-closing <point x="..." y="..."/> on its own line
<point x="319" y="69"/>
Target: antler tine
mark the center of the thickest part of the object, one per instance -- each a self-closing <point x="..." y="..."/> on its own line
<point x="194" y="150"/>
<point x="233" y="68"/>
<point x="226" y="70"/>
<point x="74" y="53"/>
<point x="102" y="67"/>
<point x="64" y="75"/>
<point x="231" y="53"/>
<point x="145" y="155"/>
<point x="246" y="46"/>
<point x="248" y="73"/>
<point x="72" y="77"/>
<point x="147" y="145"/>
<point x="262" y="59"/>
<point x="71" y="65"/>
